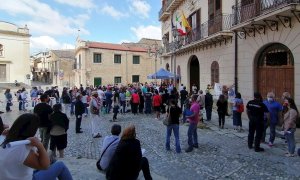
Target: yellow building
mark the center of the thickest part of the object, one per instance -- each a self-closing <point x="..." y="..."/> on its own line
<point x="14" y="53"/>
<point x="100" y="63"/>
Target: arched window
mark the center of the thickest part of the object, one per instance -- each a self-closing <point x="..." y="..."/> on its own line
<point x="1" y="50"/>
<point x="167" y="67"/>
<point x="214" y="73"/>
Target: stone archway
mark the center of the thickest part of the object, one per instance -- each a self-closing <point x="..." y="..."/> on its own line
<point x="275" y="70"/>
<point x="194" y="72"/>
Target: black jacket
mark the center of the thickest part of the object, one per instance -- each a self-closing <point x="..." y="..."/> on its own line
<point x="222" y="107"/>
<point x="208" y="100"/>
<point x="79" y="108"/>
<point x="59" y="119"/>
<point x="126" y="162"/>
<point x="43" y="110"/>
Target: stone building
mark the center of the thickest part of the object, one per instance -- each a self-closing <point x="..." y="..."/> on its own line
<point x="14" y="53"/>
<point x="252" y="45"/>
<point x="100" y="63"/>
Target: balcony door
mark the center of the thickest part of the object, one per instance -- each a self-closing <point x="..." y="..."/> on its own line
<point x="214" y="16"/>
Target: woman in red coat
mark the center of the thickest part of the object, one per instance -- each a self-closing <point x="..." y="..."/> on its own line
<point x="156" y="104"/>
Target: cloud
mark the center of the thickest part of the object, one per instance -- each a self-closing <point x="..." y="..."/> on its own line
<point x="152" y="32"/>
<point x="42" y="43"/>
<point x="110" y="10"/>
<point x="85" y="4"/>
<point x="140" y="7"/>
<point x="43" y="19"/>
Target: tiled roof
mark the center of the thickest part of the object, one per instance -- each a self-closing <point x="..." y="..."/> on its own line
<point x="68" y="54"/>
<point x="118" y="47"/>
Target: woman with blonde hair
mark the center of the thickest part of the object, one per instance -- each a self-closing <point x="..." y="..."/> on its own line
<point x="127" y="160"/>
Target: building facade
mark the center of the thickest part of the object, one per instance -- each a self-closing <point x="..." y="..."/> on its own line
<point x="14" y="53"/>
<point x="104" y="63"/>
<point x="252" y="45"/>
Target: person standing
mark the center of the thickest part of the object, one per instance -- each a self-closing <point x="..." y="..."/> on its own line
<point x="66" y="98"/>
<point x="274" y="108"/>
<point x="174" y="113"/>
<point x="94" y="109"/>
<point x="24" y="98"/>
<point x="156" y="104"/>
<point x="208" y="104"/>
<point x="123" y="101"/>
<point x="183" y="97"/>
<point x="236" y="112"/>
<point x="255" y="111"/>
<point x="84" y="99"/>
<point x="289" y="125"/>
<point x="222" y="110"/>
<point x="58" y="131"/>
<point x="43" y="110"/>
<point x="201" y="101"/>
<point x="116" y="108"/>
<point x="148" y="101"/>
<point x="142" y="102"/>
<point x="135" y="99"/>
<point x="79" y="110"/>
<point x="108" y="100"/>
<point x="193" y="120"/>
<point x="34" y="96"/>
<point x="8" y="97"/>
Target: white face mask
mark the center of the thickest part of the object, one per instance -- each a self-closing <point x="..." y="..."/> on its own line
<point x="270" y="99"/>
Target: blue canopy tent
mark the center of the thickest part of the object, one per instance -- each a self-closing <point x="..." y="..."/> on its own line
<point x="162" y="74"/>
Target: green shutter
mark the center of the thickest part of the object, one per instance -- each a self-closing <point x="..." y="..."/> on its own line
<point x="97" y="81"/>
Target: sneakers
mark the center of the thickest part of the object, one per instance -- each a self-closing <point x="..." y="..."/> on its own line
<point x="289" y="155"/>
<point x="259" y="149"/>
<point x="97" y="136"/>
<point x="189" y="149"/>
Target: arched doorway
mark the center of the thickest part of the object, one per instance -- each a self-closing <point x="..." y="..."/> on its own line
<point x="275" y="70"/>
<point x="194" y="72"/>
<point x="178" y="74"/>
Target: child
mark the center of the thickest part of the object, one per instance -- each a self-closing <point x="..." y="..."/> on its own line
<point x="115" y="110"/>
<point x="186" y="112"/>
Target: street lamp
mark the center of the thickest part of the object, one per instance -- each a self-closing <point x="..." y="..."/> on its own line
<point x="155" y="50"/>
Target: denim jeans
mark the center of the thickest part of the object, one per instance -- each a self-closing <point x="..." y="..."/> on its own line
<point x="237" y="118"/>
<point x="175" y="129"/>
<point x="123" y="106"/>
<point x="148" y="106"/>
<point x="45" y="136"/>
<point x="108" y="106"/>
<point x="192" y="135"/>
<point x="56" y="170"/>
<point x="290" y="137"/>
<point x="67" y="109"/>
<point x="272" y="132"/>
<point x="7" y="106"/>
<point x="72" y="108"/>
<point x="208" y="113"/>
<point x="20" y="105"/>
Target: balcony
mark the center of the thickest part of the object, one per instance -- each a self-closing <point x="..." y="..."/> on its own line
<point x="163" y="14"/>
<point x="211" y="32"/>
<point x="171" y="5"/>
<point x="265" y="13"/>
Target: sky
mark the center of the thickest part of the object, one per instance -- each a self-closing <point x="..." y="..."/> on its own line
<point x="55" y="24"/>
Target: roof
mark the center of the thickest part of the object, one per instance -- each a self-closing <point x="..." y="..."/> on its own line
<point x="68" y="54"/>
<point x="118" y="47"/>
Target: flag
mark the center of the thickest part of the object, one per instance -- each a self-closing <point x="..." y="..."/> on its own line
<point x="182" y="24"/>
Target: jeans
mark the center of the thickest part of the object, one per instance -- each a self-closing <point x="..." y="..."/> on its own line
<point x="145" y="168"/>
<point x="86" y="111"/>
<point x="148" y="106"/>
<point x="108" y="106"/>
<point x="56" y="170"/>
<point x="290" y="137"/>
<point x="272" y="132"/>
<point x="78" y="122"/>
<point x="237" y="118"/>
<point x="7" y="106"/>
<point x="134" y="108"/>
<point x="123" y="106"/>
<point x="20" y="105"/>
<point x="208" y="113"/>
<point x="256" y="126"/>
<point x="192" y="135"/>
<point x="67" y="109"/>
<point x="175" y="129"/>
<point x="45" y="136"/>
<point x="221" y="118"/>
<point x="72" y="108"/>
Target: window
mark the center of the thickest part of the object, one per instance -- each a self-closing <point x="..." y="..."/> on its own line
<point x="118" y="79"/>
<point x="136" y="60"/>
<point x="97" y="58"/>
<point x="135" y="78"/>
<point x="1" y="50"/>
<point x="97" y="81"/>
<point x="214" y="73"/>
<point x="117" y="59"/>
<point x="79" y="61"/>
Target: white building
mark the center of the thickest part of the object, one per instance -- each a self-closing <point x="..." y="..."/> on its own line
<point x="253" y="44"/>
<point x="14" y="53"/>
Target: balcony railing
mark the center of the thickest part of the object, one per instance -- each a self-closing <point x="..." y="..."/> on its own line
<point x="244" y="12"/>
<point x="209" y="28"/>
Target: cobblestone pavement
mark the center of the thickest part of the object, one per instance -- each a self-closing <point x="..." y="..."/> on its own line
<point x="222" y="154"/>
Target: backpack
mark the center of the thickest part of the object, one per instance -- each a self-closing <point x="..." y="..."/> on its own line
<point x="240" y="108"/>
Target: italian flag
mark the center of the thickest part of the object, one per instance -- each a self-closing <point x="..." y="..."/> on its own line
<point x="182" y="24"/>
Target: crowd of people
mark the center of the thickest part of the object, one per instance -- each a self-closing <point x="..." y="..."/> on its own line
<point x="52" y="112"/>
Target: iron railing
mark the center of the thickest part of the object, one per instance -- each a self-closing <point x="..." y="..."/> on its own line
<point x="252" y="8"/>
<point x="210" y="27"/>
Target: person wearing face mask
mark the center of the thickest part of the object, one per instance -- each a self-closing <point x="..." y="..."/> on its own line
<point x="272" y="118"/>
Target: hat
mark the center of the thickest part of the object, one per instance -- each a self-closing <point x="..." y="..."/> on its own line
<point x="94" y="93"/>
<point x="257" y="95"/>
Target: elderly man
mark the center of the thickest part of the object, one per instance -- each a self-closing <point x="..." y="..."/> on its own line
<point x="95" y="106"/>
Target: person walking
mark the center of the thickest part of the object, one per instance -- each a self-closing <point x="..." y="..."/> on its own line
<point x="274" y="108"/>
<point x="156" y="104"/>
<point x="222" y="110"/>
<point x="237" y="110"/>
<point x="43" y="110"/>
<point x="289" y="125"/>
<point x="8" y="98"/>
<point x="174" y="112"/>
<point x="95" y="110"/>
<point x="208" y="104"/>
<point x="79" y="111"/>
<point x="193" y="120"/>
<point x="183" y="97"/>
<point x="58" y="130"/>
<point x="255" y="111"/>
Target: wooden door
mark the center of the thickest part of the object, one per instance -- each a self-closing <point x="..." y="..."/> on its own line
<point x="275" y="79"/>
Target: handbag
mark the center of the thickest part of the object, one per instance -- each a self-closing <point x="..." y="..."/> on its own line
<point x="167" y="120"/>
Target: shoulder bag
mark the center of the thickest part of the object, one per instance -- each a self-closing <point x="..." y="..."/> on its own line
<point x="98" y="162"/>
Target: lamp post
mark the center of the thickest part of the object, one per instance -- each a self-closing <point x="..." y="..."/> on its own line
<point x="155" y="51"/>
